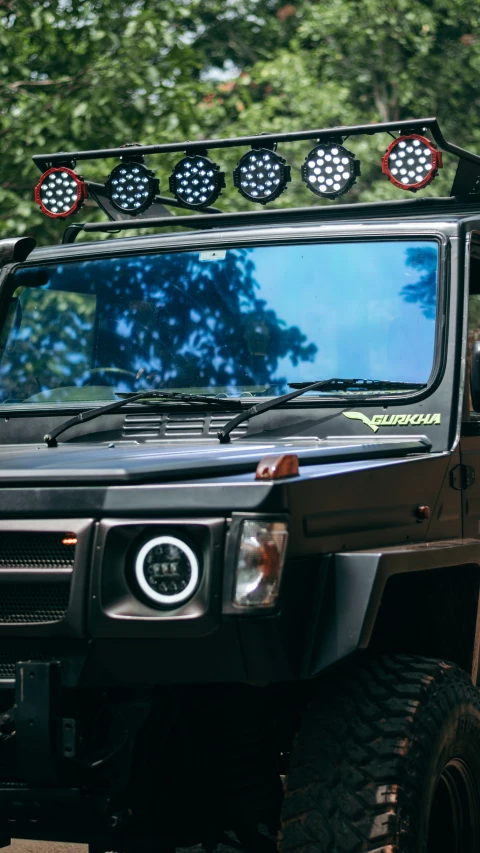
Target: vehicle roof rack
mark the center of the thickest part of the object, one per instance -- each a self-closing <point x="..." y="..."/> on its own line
<point x="156" y="212"/>
<point x="267" y="217"/>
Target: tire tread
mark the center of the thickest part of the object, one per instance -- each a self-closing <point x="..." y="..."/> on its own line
<point x="356" y="788"/>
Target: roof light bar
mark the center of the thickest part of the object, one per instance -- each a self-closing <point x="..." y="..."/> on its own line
<point x="411" y="162"/>
<point x="196" y="181"/>
<point x="330" y="169"/>
<point x="60" y="192"/>
<point x="261" y="175"/>
<point x="131" y="187"/>
<point x="253" y="179"/>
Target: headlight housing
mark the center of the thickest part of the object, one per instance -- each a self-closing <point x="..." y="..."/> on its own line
<point x="259" y="563"/>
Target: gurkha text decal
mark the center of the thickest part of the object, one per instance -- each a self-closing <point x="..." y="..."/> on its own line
<point x="393" y="420"/>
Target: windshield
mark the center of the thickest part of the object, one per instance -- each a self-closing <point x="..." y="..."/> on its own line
<point x="240" y="321"/>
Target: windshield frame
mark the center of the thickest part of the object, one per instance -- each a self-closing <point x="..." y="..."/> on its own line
<point x="254" y="237"/>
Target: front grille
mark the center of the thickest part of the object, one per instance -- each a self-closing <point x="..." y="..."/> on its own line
<point x="33" y="602"/>
<point x="28" y="550"/>
<point x="38" y="561"/>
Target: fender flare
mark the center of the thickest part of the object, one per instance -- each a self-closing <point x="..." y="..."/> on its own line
<point x="354" y="586"/>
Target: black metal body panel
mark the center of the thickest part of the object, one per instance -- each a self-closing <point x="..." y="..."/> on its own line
<point x="82" y="464"/>
<point x="359" y="580"/>
<point x="16" y="249"/>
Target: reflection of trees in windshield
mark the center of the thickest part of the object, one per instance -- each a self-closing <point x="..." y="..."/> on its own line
<point x="193" y="323"/>
<point x="48" y="339"/>
<point x="165" y="320"/>
<point x="423" y="291"/>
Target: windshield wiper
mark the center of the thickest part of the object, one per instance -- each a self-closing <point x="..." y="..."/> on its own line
<point x="155" y="396"/>
<point x="325" y="384"/>
<point x="362" y="385"/>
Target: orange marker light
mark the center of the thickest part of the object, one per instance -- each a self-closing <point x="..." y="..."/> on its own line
<point x="275" y="467"/>
<point x="69" y="540"/>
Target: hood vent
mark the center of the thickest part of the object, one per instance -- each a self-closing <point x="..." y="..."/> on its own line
<point x="177" y="427"/>
<point x="142" y="426"/>
<point x="217" y="422"/>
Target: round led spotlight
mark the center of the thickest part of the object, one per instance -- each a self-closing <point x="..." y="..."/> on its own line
<point x="411" y="162"/>
<point x="60" y="192"/>
<point x="196" y="181"/>
<point x="330" y="170"/>
<point x="261" y="175"/>
<point x="131" y="187"/>
<point x="166" y="570"/>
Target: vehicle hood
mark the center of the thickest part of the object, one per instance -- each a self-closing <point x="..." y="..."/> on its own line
<point x="79" y="463"/>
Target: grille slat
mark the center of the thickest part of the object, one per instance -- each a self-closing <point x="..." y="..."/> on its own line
<point x="183" y="432"/>
<point x="142" y="425"/>
<point x="218" y="422"/>
<point x="33" y="602"/>
<point x="178" y="426"/>
<point x="28" y="550"/>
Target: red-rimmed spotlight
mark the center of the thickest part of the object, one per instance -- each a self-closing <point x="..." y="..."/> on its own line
<point x="60" y="192"/>
<point x="411" y="162"/>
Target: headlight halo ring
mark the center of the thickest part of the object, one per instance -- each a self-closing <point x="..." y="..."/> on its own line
<point x="157" y="597"/>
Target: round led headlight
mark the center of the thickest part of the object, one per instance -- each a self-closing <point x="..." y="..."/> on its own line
<point x="166" y="570"/>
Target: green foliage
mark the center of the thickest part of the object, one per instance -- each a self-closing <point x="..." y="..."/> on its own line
<point x="98" y="73"/>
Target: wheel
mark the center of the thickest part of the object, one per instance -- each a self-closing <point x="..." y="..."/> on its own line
<point x="387" y="760"/>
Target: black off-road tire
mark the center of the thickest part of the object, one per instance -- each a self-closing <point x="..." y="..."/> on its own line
<point x="387" y="761"/>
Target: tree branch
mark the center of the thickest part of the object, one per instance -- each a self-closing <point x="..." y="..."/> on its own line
<point x="19" y="83"/>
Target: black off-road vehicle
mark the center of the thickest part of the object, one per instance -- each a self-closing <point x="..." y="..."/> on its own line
<point x="239" y="510"/>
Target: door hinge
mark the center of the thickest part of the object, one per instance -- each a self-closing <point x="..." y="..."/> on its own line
<point x="462" y="476"/>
